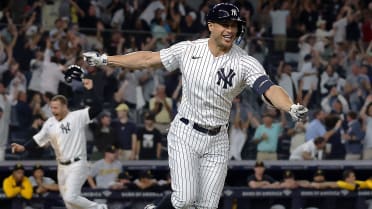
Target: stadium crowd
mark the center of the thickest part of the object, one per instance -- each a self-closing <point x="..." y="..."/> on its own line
<point x="319" y="51"/>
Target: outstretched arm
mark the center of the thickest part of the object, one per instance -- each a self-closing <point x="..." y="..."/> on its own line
<point x="135" y="60"/>
<point x="281" y="100"/>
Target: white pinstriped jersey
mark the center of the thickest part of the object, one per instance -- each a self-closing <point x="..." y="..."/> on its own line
<point x="67" y="136"/>
<point x="210" y="83"/>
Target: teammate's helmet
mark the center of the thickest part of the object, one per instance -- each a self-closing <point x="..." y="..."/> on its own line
<point x="225" y="12"/>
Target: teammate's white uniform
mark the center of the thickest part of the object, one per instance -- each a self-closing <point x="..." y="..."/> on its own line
<point x="198" y="161"/>
<point x="69" y="143"/>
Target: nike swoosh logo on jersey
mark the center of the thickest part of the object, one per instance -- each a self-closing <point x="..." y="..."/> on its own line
<point x="195" y="57"/>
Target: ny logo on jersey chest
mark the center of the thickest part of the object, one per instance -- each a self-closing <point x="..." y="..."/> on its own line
<point x="226" y="79"/>
<point x="65" y="128"/>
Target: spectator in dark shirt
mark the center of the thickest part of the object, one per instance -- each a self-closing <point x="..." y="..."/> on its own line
<point x="335" y="150"/>
<point x="125" y="133"/>
<point x="149" y="140"/>
<point x="36" y="152"/>
<point x="353" y="137"/>
<point x="309" y="16"/>
<point x="259" y="179"/>
<point x="89" y="20"/>
<point x="103" y="134"/>
<point x="23" y="113"/>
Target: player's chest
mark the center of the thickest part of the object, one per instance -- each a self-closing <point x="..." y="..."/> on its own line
<point x="63" y="129"/>
<point x="210" y="73"/>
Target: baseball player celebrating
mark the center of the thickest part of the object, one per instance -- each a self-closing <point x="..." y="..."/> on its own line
<point x="214" y="71"/>
<point x="64" y="133"/>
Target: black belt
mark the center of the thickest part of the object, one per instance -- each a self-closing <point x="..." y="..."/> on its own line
<point x="210" y="132"/>
<point x="68" y="162"/>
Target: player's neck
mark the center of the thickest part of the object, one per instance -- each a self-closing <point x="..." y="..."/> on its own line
<point x="63" y="115"/>
<point x="216" y="50"/>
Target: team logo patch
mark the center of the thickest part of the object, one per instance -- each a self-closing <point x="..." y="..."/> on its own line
<point x="226" y="79"/>
<point x="234" y="12"/>
<point x="65" y="127"/>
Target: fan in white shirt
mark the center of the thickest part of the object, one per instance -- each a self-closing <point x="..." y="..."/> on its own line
<point x="310" y="150"/>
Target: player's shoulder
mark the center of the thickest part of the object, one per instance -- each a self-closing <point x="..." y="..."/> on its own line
<point x="199" y="41"/>
<point x="76" y="113"/>
<point x="50" y="121"/>
<point x="193" y="43"/>
<point x="243" y="55"/>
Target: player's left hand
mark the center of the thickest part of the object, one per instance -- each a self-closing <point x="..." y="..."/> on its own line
<point x="298" y="112"/>
<point x="17" y="148"/>
<point x="74" y="72"/>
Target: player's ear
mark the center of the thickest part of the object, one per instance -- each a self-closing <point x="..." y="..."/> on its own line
<point x="210" y="26"/>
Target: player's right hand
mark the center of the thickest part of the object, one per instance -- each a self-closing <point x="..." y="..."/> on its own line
<point x="17" y="148"/>
<point x="95" y="59"/>
<point x="298" y="112"/>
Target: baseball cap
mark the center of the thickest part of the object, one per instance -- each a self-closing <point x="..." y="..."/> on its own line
<point x="38" y="166"/>
<point x="146" y="174"/>
<point x="122" y="107"/>
<point x="259" y="164"/>
<point x="319" y="172"/>
<point x="124" y="175"/>
<point x="104" y="113"/>
<point x="288" y="174"/>
<point x="111" y="149"/>
<point x="18" y="166"/>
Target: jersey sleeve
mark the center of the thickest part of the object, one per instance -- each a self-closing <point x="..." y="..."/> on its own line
<point x="41" y="138"/>
<point x="252" y="70"/>
<point x="83" y="116"/>
<point x="171" y="57"/>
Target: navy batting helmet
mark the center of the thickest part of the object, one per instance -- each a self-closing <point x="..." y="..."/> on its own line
<point x="223" y="12"/>
<point x="226" y="12"/>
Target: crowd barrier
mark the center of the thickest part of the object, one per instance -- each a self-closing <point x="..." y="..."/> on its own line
<point x="230" y="196"/>
<point x="233" y="165"/>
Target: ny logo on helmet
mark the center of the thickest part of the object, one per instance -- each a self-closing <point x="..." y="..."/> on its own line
<point x="227" y="79"/>
<point x="234" y="12"/>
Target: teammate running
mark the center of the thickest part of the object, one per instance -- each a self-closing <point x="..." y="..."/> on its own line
<point x="214" y="71"/>
<point x="65" y="133"/>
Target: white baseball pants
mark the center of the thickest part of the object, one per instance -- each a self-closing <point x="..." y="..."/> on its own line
<point x="70" y="180"/>
<point x="198" y="165"/>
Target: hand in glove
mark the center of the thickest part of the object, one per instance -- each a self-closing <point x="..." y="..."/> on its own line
<point x="298" y="112"/>
<point x="95" y="59"/>
<point x="74" y="72"/>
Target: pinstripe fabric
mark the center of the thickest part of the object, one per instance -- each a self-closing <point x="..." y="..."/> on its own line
<point x="198" y="165"/>
<point x="198" y="162"/>
<point x="203" y="101"/>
